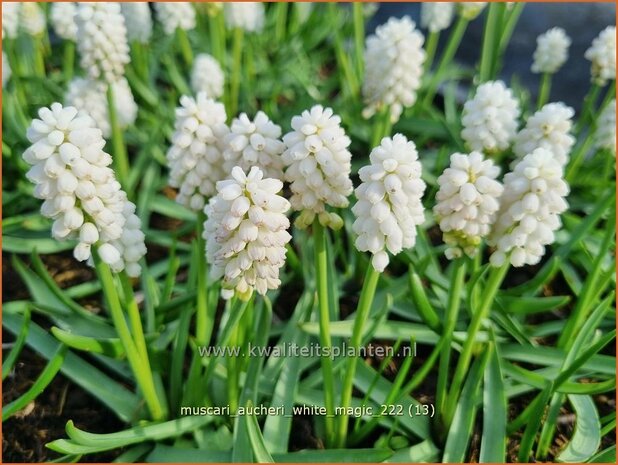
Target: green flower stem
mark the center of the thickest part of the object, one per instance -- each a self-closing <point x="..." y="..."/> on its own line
<point x="348" y="77"/>
<point x="68" y="62"/>
<point x="321" y="267"/>
<point x="217" y="37"/>
<point x="137" y="330"/>
<point x="281" y="20"/>
<point x="362" y="312"/>
<point x="139" y="366"/>
<point x="359" y="37"/>
<point x="430" y="49"/>
<point x="490" y="44"/>
<point x="508" y="27"/>
<point x="238" y="40"/>
<point x="382" y="126"/>
<point x="494" y="281"/>
<point x="458" y="275"/>
<point x="121" y="160"/>
<point x="39" y="56"/>
<point x="185" y="46"/>
<point x="589" y="103"/>
<point x="232" y="364"/>
<point x="578" y="157"/>
<point x="544" y="90"/>
<point x="140" y="59"/>
<point x="203" y="322"/>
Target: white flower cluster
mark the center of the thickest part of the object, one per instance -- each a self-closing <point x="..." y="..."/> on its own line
<point x="32" y="18"/>
<point x="389" y="203"/>
<point x="10" y="19"/>
<point x="62" y="16"/>
<point x="80" y="192"/>
<point x="530" y="208"/>
<point x="394" y="58"/>
<point x="91" y="97"/>
<point x="254" y="143"/>
<point x="470" y="10"/>
<point x="195" y="158"/>
<point x="605" y="136"/>
<point x="602" y="54"/>
<point x="175" y="15"/>
<point x="246" y="233"/>
<point x="138" y="20"/>
<point x="248" y="16"/>
<point x="550" y="128"/>
<point x="318" y="166"/>
<point x="6" y="70"/>
<point x="102" y="40"/>
<point x="467" y="202"/>
<point x="437" y="16"/>
<point x="552" y="51"/>
<point x="207" y="76"/>
<point x="490" y="118"/>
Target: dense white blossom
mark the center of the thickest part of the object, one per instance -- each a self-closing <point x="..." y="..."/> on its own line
<point x="254" y="143"/>
<point x="102" y="40"/>
<point x="470" y="10"/>
<point x="318" y="166"/>
<point x="62" y="17"/>
<point x="80" y="191"/>
<point x="195" y="158"/>
<point x="246" y="233"/>
<point x="175" y="15"/>
<point x="394" y="58"/>
<point x="605" y="136"/>
<point x="31" y="18"/>
<point x="602" y="54"/>
<point x="550" y="128"/>
<point x="467" y="202"/>
<point x="6" y="70"/>
<point x="10" y="19"/>
<point x="552" y="51"/>
<point x="490" y="118"/>
<point x="530" y="208"/>
<point x="207" y="76"/>
<point x="437" y="16"/>
<point x="138" y="20"/>
<point x="248" y="16"/>
<point x="91" y="97"/>
<point x="389" y="203"/>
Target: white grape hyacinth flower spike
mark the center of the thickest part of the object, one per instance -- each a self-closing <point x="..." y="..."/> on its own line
<point x="552" y="51"/>
<point x="602" y="54"/>
<point x="248" y="16"/>
<point x="605" y="137"/>
<point x="207" y="76"/>
<point x="437" y="16"/>
<point x="62" y="17"/>
<point x="138" y="20"/>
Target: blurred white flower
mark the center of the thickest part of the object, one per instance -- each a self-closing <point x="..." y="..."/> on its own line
<point x="195" y="158"/>
<point x="138" y="19"/>
<point x="303" y="11"/>
<point x="254" y="143"/>
<point x="32" y="18"/>
<point x="467" y="202"/>
<point x="437" y="16"/>
<point x="248" y="16"/>
<point x="62" y="17"/>
<point x="530" y="208"/>
<point x="175" y="15"/>
<point x="602" y="54"/>
<point x="389" y="203"/>
<point x="207" y="76"/>
<point x="80" y="192"/>
<point x="318" y="166"/>
<point x="6" y="70"/>
<point x="10" y="19"/>
<point x="394" y="58"/>
<point x="470" y="10"/>
<point x="552" y="51"/>
<point x="246" y="233"/>
<point x="102" y="40"/>
<point x="605" y="136"/>
<point x="490" y="119"/>
<point x="550" y="128"/>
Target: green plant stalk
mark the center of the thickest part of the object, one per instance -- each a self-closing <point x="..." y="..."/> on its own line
<point x="68" y="62"/>
<point x="489" y="43"/>
<point x="491" y="289"/>
<point x="140" y="60"/>
<point x="382" y="126"/>
<point x="589" y="102"/>
<point x="359" y="37"/>
<point x="458" y="275"/>
<point x="216" y="37"/>
<point x="544" y="90"/>
<point x="140" y="367"/>
<point x="321" y="269"/>
<point x="507" y="26"/>
<point x="39" y="56"/>
<point x="578" y="157"/>
<point x="203" y="322"/>
<point x="185" y="46"/>
<point x="362" y="312"/>
<point x="238" y="40"/>
<point x="130" y="304"/>
<point x="348" y="78"/>
<point x="121" y="160"/>
<point x="281" y="20"/>
<point x="430" y="49"/>
<point x="233" y="364"/>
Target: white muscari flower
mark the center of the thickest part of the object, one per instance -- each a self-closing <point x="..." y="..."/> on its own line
<point x="10" y="19"/>
<point x="605" y="136"/>
<point x="32" y="18"/>
<point x="550" y="128"/>
<point x="62" y="17"/>
<point x="394" y="58"/>
<point x="207" y="76"/>
<point x="138" y="20"/>
<point x="552" y="51"/>
<point x="6" y="70"/>
<point x="175" y="15"/>
<point x="248" y="16"/>
<point x="389" y="203"/>
<point x="467" y="202"/>
<point x="195" y="157"/>
<point x="602" y="54"/>
<point x="246" y="233"/>
<point x="370" y="9"/>
<point x="437" y="16"/>
<point x="470" y="10"/>
<point x="318" y="166"/>
<point x="80" y="192"/>
<point x="102" y="40"/>
<point x="530" y="208"/>
<point x="254" y="143"/>
<point x="490" y="118"/>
